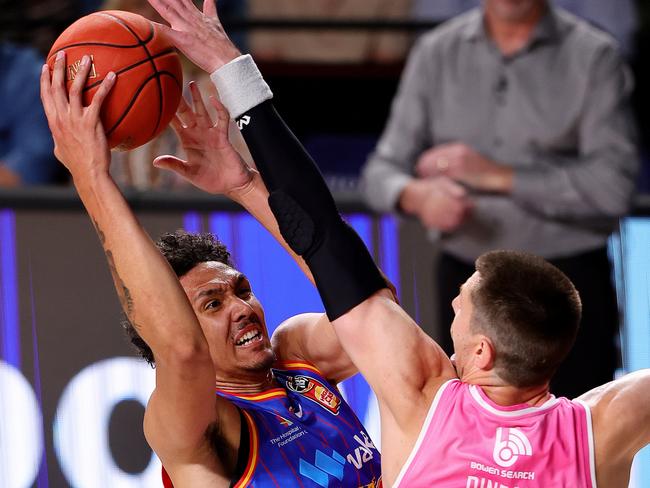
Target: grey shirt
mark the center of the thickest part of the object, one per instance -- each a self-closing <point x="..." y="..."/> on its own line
<point x="557" y="112"/>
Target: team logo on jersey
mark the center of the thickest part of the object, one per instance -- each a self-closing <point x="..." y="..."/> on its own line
<point x="509" y="445"/>
<point x="315" y="391"/>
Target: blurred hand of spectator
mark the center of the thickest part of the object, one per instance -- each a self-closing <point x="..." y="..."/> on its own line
<point x="462" y="163"/>
<point x="439" y="203"/>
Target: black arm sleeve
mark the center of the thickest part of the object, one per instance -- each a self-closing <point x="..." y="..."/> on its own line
<point x="309" y="221"/>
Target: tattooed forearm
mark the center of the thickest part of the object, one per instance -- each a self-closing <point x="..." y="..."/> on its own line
<point x="122" y="291"/>
<point x="100" y="233"/>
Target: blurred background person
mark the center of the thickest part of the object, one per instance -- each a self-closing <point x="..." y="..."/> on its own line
<point x="511" y="130"/>
<point x="27" y="30"/>
<point x="26" y="147"/>
<point x="619" y="18"/>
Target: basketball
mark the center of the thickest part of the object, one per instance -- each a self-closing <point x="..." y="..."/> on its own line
<point x="149" y="78"/>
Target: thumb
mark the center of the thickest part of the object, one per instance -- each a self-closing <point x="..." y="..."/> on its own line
<point x="171" y="163"/>
<point x="168" y="32"/>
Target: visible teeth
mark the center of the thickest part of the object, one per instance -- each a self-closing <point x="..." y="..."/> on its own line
<point x="248" y="337"/>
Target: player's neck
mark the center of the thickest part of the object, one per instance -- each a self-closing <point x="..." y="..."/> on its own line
<point x="248" y="385"/>
<point x="506" y="395"/>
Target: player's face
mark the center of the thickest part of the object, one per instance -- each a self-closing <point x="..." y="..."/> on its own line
<point x="461" y="333"/>
<point x="231" y="318"/>
<point x="513" y="10"/>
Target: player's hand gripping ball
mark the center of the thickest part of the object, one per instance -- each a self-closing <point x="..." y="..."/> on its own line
<point x="149" y="79"/>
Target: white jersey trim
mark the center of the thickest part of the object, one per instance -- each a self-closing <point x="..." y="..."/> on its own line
<point x="476" y="394"/>
<point x="423" y="432"/>
<point x="590" y="438"/>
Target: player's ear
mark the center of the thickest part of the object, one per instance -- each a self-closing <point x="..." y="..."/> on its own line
<point x="484" y="354"/>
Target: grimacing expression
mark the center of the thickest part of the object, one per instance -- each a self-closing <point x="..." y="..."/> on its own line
<point x="231" y="317"/>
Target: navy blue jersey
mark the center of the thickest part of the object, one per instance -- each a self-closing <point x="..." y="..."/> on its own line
<point x="304" y="434"/>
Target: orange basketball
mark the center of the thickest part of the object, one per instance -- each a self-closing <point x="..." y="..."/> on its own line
<point x="149" y="79"/>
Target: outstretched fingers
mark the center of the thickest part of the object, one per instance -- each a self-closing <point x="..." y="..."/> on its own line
<point x="177" y="124"/>
<point x="223" y="117"/>
<point x="101" y="94"/>
<point x="78" y="83"/>
<point x="46" y="92"/>
<point x="201" y="114"/>
<point x="176" y="12"/>
<point x="185" y="114"/>
<point x="172" y="163"/>
<point x="58" y="90"/>
<point x="209" y="8"/>
<point x="168" y="10"/>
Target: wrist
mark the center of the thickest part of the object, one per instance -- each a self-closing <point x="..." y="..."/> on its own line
<point x="96" y="192"/>
<point x="500" y="180"/>
<point x="219" y="60"/>
<point x="241" y="193"/>
<point x="240" y="85"/>
<point x="412" y="196"/>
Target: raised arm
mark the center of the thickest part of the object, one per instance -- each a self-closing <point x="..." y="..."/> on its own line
<point x="620" y="413"/>
<point x="183" y="403"/>
<point x="310" y="223"/>
<point x="390" y="350"/>
<point x="214" y="166"/>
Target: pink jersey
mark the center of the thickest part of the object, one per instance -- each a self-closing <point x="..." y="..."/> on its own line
<point x="468" y="441"/>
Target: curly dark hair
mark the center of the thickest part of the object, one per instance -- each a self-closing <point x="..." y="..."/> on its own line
<point x="183" y="251"/>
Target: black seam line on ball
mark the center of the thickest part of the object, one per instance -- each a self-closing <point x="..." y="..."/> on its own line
<point x="127" y="68"/>
<point x="143" y="44"/>
<point x="138" y="42"/>
<point x="127" y="27"/>
<point x="157" y="76"/>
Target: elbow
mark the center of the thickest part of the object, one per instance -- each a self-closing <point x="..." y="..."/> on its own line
<point x="186" y="354"/>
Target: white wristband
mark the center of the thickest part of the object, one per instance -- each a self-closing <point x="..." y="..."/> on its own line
<point x="240" y="85"/>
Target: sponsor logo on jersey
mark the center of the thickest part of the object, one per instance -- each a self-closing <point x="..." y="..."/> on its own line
<point x="315" y="391"/>
<point x="328" y="468"/>
<point x="509" y="445"/>
<point x="364" y="452"/>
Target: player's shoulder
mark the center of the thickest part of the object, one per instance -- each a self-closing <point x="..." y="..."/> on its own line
<point x="620" y="410"/>
<point x="287" y="339"/>
<point x="626" y="391"/>
<point x="620" y="413"/>
<point x="296" y="367"/>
